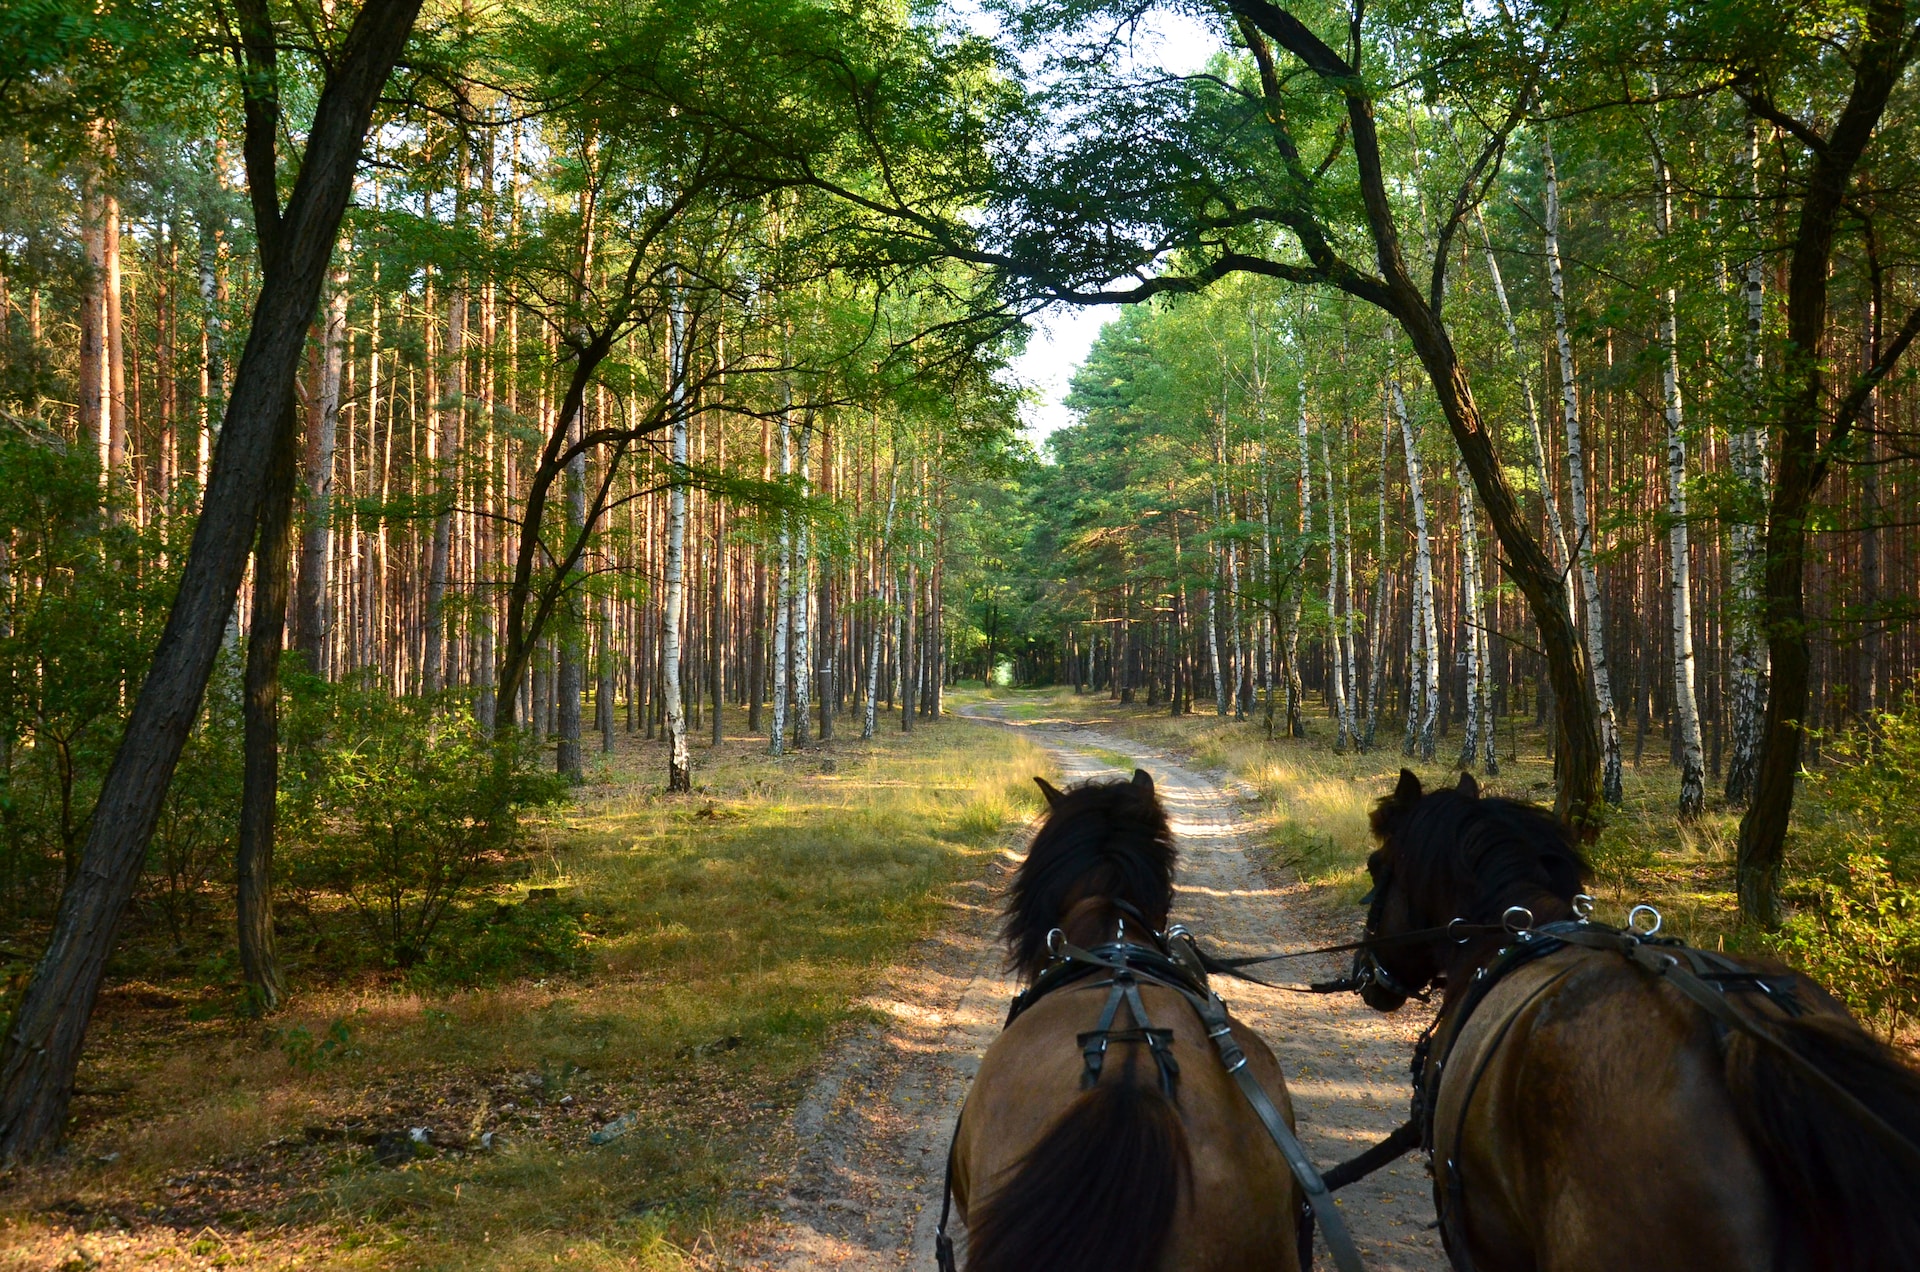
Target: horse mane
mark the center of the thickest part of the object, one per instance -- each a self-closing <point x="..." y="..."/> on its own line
<point x="1100" y="839"/>
<point x="1480" y="849"/>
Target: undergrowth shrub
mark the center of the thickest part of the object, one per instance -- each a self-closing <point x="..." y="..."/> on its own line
<point x="1855" y="924"/>
<point x="405" y="807"/>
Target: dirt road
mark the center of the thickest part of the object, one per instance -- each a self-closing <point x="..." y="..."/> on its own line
<point x="874" y="1128"/>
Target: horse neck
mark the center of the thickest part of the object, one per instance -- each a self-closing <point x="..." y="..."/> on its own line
<point x="1093" y="921"/>
<point x="1468" y="958"/>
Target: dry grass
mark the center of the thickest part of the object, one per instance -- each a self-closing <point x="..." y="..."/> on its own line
<point x="734" y="933"/>
<point x="1318" y="800"/>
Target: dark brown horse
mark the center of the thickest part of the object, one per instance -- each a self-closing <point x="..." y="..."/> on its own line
<point x="1584" y="1112"/>
<point x="1055" y="1174"/>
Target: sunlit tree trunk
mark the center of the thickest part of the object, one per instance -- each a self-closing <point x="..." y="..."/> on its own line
<point x="801" y="592"/>
<point x="1377" y="623"/>
<point x="878" y="599"/>
<point x="783" y="599"/>
<point x="312" y="613"/>
<point x="1427" y="643"/>
<point x="1583" y="545"/>
<point x="679" y="756"/>
<point x="1336" y="634"/>
<point x="1303" y="528"/>
<point x="1479" y="729"/>
<point x="1686" y="711"/>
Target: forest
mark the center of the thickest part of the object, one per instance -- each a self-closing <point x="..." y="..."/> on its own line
<point x="517" y="526"/>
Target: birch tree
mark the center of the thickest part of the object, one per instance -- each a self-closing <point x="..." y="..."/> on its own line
<point x="1583" y="538"/>
<point x="1686" y="710"/>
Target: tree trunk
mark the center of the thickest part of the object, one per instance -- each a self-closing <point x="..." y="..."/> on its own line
<point x="1395" y="291"/>
<point x="1377" y="623"/>
<point x="679" y="756"/>
<point x="311" y="616"/>
<point x="94" y="415"/>
<point x="1479" y="730"/>
<point x="42" y="1045"/>
<point x="446" y="415"/>
<point x="1427" y="677"/>
<point x="802" y="593"/>
<point x="1747" y="451"/>
<point x="1583" y="546"/>
<point x="871" y="721"/>
<point x="1303" y="530"/>
<point x="568" y="683"/>
<point x="783" y="598"/>
<point x="260" y="787"/>
<point x="1686" y="708"/>
<point x="1879" y="63"/>
<point x="1336" y="664"/>
<point x="260" y="961"/>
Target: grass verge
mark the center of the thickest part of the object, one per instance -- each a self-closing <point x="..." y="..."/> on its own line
<point x="730" y="937"/>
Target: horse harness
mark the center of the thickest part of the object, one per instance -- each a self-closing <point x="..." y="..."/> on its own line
<point x="1705" y="977"/>
<point x="1173" y="962"/>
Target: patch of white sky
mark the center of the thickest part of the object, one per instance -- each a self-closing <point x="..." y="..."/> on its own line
<point x="1061" y="336"/>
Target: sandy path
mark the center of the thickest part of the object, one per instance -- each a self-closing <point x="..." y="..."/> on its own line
<point x="874" y="1128"/>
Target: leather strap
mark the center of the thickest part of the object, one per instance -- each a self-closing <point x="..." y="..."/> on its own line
<point x="1213" y="1013"/>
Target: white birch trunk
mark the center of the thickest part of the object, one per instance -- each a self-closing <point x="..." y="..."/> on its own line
<point x="783" y="607"/>
<point x="1686" y="711"/>
<point x="1425" y="620"/>
<point x="1235" y="675"/>
<point x="802" y="594"/>
<point x="1479" y="714"/>
<point x="1296" y="722"/>
<point x="1747" y="448"/>
<point x="872" y="720"/>
<point x="1583" y="545"/>
<point x="1376" y="628"/>
<point x="1213" y="622"/>
<point x="1336" y="663"/>
<point x="315" y="607"/>
<point x="679" y="757"/>
<point x="1350" y="630"/>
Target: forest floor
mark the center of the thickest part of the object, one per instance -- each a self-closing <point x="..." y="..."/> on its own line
<point x="733" y="939"/>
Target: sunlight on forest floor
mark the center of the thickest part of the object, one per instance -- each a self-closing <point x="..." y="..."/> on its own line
<point x="732" y="934"/>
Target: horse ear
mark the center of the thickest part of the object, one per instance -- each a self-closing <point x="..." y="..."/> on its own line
<point x="1142" y="781"/>
<point x="1409" y="788"/>
<point x="1050" y="791"/>
<point x="1468" y="787"/>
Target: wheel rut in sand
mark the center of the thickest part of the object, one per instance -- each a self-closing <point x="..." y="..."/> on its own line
<point x="874" y="1126"/>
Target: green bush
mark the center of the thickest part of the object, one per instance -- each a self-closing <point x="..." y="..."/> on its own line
<point x="1855" y="925"/>
<point x="83" y="598"/>
<point x="403" y="806"/>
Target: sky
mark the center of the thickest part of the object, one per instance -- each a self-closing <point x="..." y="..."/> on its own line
<point x="1064" y="334"/>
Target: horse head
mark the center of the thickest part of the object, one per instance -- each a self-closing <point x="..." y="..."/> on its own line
<point x="1104" y="849"/>
<point x="1448" y="855"/>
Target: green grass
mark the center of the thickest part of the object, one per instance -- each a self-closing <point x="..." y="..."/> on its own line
<point x="733" y="935"/>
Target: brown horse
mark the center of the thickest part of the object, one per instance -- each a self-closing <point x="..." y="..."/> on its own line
<point x="1584" y="1112"/>
<point x="1158" y="1162"/>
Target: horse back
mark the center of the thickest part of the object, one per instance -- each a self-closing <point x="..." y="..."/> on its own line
<point x="1589" y="1114"/>
<point x="1237" y="1211"/>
